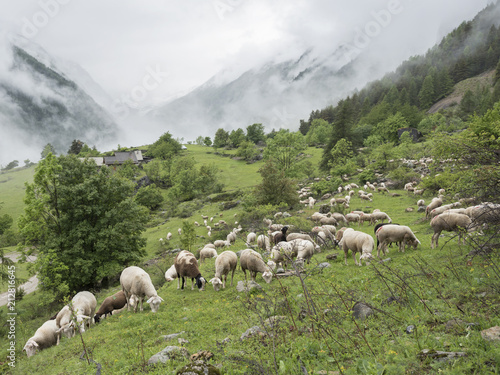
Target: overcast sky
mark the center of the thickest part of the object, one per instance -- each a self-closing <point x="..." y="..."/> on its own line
<point x="186" y="42"/>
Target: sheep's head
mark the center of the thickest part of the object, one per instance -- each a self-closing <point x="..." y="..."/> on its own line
<point x="30" y="348"/>
<point x="271" y="264"/>
<point x="267" y="276"/>
<point x="81" y="321"/>
<point x="67" y="330"/>
<point x="200" y="282"/>
<point x="154" y="303"/>
<point x="133" y="301"/>
<point x="97" y="318"/>
<point x="216" y="282"/>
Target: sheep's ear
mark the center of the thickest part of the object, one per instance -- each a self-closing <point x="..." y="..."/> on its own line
<point x="60" y="330"/>
<point x="149" y="300"/>
<point x="161" y="299"/>
<point x="211" y="281"/>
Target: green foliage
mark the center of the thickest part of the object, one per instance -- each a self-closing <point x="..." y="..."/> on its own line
<point x="5" y="222"/>
<point x="367" y="175"/>
<point x="221" y="138"/>
<point x="47" y="150"/>
<point x="247" y="151"/>
<point x="255" y="133"/>
<point x="318" y="132"/>
<point x="207" y="141"/>
<point x="199" y="140"/>
<point x="323" y="186"/>
<point x="80" y="218"/>
<point x="128" y="170"/>
<point x="158" y="171"/>
<point x="388" y="129"/>
<point x="76" y="147"/>
<point x="13" y="164"/>
<point x="341" y="153"/>
<point x="236" y="137"/>
<point x="166" y="147"/>
<point x="286" y="149"/>
<point x="149" y="196"/>
<point x="86" y="151"/>
<point x="188" y="235"/>
<point x="275" y="188"/>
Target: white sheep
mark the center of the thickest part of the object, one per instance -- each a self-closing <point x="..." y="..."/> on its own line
<point x="44" y="337"/>
<point x="252" y="261"/>
<point x="441" y="209"/>
<point x="357" y="242"/>
<point x="282" y="253"/>
<point x="169" y="236"/>
<point x="420" y="203"/>
<point x="226" y="262"/>
<point x="137" y="282"/>
<point x="186" y="265"/>
<point x="263" y="242"/>
<point x="302" y="236"/>
<point x="376" y="216"/>
<point x="365" y="217"/>
<point x="251" y="238"/>
<point x="171" y="273"/>
<point x="221" y="243"/>
<point x="231" y="237"/>
<point x="83" y="305"/>
<point x="401" y="234"/>
<point x="450" y="222"/>
<point x="352" y="218"/>
<point x="206" y="253"/>
<point x="339" y="217"/>
<point x="304" y="249"/>
<point x="435" y="203"/>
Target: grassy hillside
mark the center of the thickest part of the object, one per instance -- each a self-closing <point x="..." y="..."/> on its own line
<point x="425" y="288"/>
<point x="12" y="190"/>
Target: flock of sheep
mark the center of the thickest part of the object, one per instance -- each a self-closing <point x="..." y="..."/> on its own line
<point x="278" y="246"/>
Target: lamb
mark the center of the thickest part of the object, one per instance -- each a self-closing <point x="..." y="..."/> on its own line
<point x="263" y="242"/>
<point x="252" y="261"/>
<point x="380" y="216"/>
<point x="171" y="273"/>
<point x="435" y="203"/>
<point x="44" y="337"/>
<point x="450" y="222"/>
<point x="136" y="282"/>
<point x="226" y="262"/>
<point x="187" y="266"/>
<point x="83" y="305"/>
<point x="395" y="233"/>
<point x="207" y="252"/>
<point x="357" y="242"/>
<point x="114" y="302"/>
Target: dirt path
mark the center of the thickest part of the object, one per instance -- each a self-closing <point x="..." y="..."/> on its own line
<point x="29" y="286"/>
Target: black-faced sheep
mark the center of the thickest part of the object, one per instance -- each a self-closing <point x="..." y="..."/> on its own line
<point x="395" y="233"/>
<point x="83" y="305"/>
<point x="115" y="302"/>
<point x="281" y="236"/>
<point x="186" y="265"/>
<point x="252" y="261"/>
<point x="357" y="242"/>
<point x="44" y="337"/>
<point x="136" y="282"/>
<point x="226" y="262"/>
<point x="449" y="222"/>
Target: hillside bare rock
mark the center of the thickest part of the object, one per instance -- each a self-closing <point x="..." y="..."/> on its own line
<point x="170" y="352"/>
<point x="491" y="334"/>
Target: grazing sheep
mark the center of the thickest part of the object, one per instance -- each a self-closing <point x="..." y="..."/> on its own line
<point x="441" y="191"/>
<point x="114" y="302"/>
<point x="303" y="236"/>
<point x="137" y="282"/>
<point x="449" y="222"/>
<point x="395" y="233"/>
<point x="365" y="217"/>
<point x="357" y="242"/>
<point x="317" y="216"/>
<point x="282" y="253"/>
<point x="226" y="262"/>
<point x="435" y="203"/>
<point x="171" y="273"/>
<point x="484" y="213"/>
<point x="441" y="209"/>
<point x="352" y="218"/>
<point x="304" y="249"/>
<point x="179" y="230"/>
<point x="206" y="253"/>
<point x="328" y="221"/>
<point x="263" y="242"/>
<point x="84" y="305"/>
<point x="377" y="228"/>
<point x="221" y="243"/>
<point x="376" y="216"/>
<point x="44" y="337"/>
<point x="252" y="261"/>
<point x="418" y="191"/>
<point x="276" y="227"/>
<point x="169" y="236"/>
<point x="231" y="237"/>
<point x="187" y="266"/>
<point x="339" y="217"/>
<point x="420" y="203"/>
<point x="251" y="238"/>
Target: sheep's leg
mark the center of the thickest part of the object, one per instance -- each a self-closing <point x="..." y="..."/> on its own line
<point x="182" y="287"/>
<point x="355" y="260"/>
<point x="141" y="299"/>
<point x="178" y="280"/>
<point x="345" y="256"/>
<point x="232" y="276"/>
<point x="192" y="283"/>
<point x="127" y="297"/>
<point x="224" y="279"/>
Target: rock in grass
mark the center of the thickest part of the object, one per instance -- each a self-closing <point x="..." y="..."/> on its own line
<point x="246" y="286"/>
<point x="172" y="336"/>
<point x="440" y="356"/>
<point x="491" y="334"/>
<point x="170" y="352"/>
<point x="255" y="330"/>
<point x="361" y="311"/>
<point x="324" y="265"/>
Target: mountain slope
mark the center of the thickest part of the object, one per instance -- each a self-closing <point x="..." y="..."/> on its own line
<point x="41" y="104"/>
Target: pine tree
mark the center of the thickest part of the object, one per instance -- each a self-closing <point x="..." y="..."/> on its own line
<point x="426" y="94"/>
